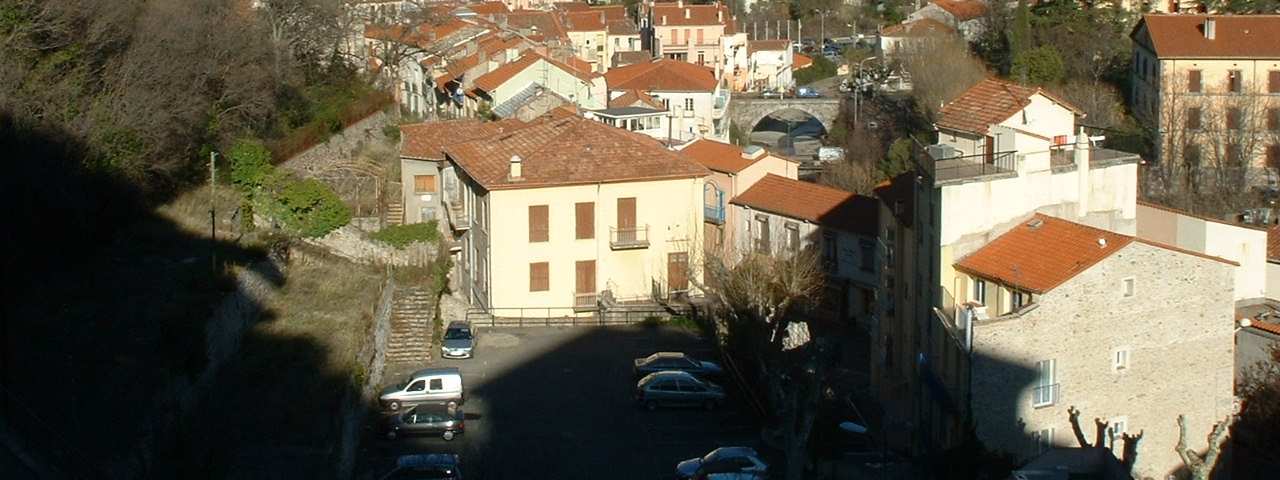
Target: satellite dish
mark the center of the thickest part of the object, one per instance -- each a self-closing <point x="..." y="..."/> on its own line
<point x="852" y="427"/>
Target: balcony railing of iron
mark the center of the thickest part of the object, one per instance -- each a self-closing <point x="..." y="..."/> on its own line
<point x="968" y="166"/>
<point x="1044" y="396"/>
<point x="629" y="237"/>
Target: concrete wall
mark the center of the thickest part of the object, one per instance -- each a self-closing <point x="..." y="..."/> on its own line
<point x="1241" y="244"/>
<point x="771" y="69"/>
<point x="586" y="94"/>
<point x="1273" y="280"/>
<point x="696" y="122"/>
<point x="1177" y="328"/>
<point x="672" y="210"/>
<point x="424" y="206"/>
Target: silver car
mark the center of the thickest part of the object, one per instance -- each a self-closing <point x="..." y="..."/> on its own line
<point x="672" y="388"/>
<point x="458" y="341"/>
<point x="429" y="385"/>
<point x="675" y="361"/>
<point x="730" y="462"/>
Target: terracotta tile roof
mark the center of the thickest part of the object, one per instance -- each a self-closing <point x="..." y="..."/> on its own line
<point x="1273" y="243"/>
<point x="583" y="67"/>
<point x="924" y="27"/>
<point x="569" y="151"/>
<point x="1041" y="253"/>
<point x="826" y="206"/>
<point x="584" y="21"/>
<point x="721" y="157"/>
<point x="963" y="10"/>
<point x="989" y="102"/>
<point x="709" y="14"/>
<point x="425" y="141"/>
<point x="662" y="75"/>
<point x="456" y="68"/>
<point x="488" y="8"/>
<point x="571" y="6"/>
<point x="495" y="78"/>
<point x="1235" y="36"/>
<point x="768" y="45"/>
<point x="622" y="27"/>
<point x="612" y="12"/>
<point x="546" y="24"/>
<point x="622" y="59"/>
<point x="1266" y="326"/>
<point x="563" y="111"/>
<point x="635" y="98"/>
<point x="799" y="61"/>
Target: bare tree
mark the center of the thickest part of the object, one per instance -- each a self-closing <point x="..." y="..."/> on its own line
<point x="934" y="82"/>
<point x="1255" y="440"/>
<point x="851" y="175"/>
<point x="758" y="295"/>
<point x="307" y="30"/>
<point x="1201" y="465"/>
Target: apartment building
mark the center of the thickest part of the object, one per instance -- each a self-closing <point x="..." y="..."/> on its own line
<point x="422" y="158"/>
<point x="965" y="16"/>
<point x="1209" y="86"/>
<point x="779" y="215"/>
<point x="1246" y="245"/>
<point x="911" y="37"/>
<point x="599" y="32"/>
<point x="686" y="32"/>
<point x="1134" y="332"/>
<point x="693" y="96"/>
<point x="533" y="84"/>
<point x="1004" y="152"/>
<point x="733" y="171"/>
<point x="563" y="214"/>
<point x="769" y="65"/>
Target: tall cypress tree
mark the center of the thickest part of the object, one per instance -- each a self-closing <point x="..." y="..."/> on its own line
<point x="1019" y="37"/>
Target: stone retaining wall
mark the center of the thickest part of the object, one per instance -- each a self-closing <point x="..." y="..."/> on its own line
<point x="341" y="147"/>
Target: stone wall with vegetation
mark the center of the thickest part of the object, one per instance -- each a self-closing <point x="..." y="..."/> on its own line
<point x="341" y="147"/>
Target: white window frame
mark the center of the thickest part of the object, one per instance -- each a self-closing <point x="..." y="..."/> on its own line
<point x="1128" y="287"/>
<point x="1043" y="439"/>
<point x="1114" y="432"/>
<point x="979" y="290"/>
<point x="1120" y="359"/>
<point x="1039" y="400"/>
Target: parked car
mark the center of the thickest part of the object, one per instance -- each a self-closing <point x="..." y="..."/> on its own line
<point x="673" y="388"/>
<point x="427" y="419"/>
<point x="458" y="341"/>
<point x="424" y="466"/>
<point x="806" y="92"/>
<point x="431" y="385"/>
<point x="678" y="361"/>
<point x="771" y="93"/>
<point x="724" y="460"/>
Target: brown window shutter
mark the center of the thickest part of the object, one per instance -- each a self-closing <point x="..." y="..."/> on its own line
<point x="1193" y="118"/>
<point x="539" y="277"/>
<point x="1193" y="81"/>
<point x="537" y="223"/>
<point x="678" y="271"/>
<point x="1273" y="156"/>
<point x="1273" y="81"/>
<point x="1233" y="118"/>
<point x="586" y="276"/>
<point x="1273" y="119"/>
<point x="627" y="219"/>
<point x="424" y="184"/>
<point x="585" y="218"/>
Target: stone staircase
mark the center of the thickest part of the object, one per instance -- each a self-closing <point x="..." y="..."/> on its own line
<point x="393" y="215"/>
<point x="410" y="338"/>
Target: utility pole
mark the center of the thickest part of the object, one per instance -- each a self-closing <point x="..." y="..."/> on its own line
<point x="213" y="217"/>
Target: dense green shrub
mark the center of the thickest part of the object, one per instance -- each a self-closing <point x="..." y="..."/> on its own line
<point x="250" y="164"/>
<point x="1039" y="66"/>
<point x="310" y="208"/>
<point x="821" y="68"/>
<point x="401" y="235"/>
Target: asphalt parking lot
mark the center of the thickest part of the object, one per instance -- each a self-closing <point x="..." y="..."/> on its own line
<point x="556" y="403"/>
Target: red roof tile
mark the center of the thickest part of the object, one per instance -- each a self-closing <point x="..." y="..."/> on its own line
<point x="488" y="8"/>
<point x="924" y="27"/>
<point x="492" y="80"/>
<point x="768" y="45"/>
<point x="541" y="24"/>
<point x="1273" y="243"/>
<point x="990" y="102"/>
<point x="1041" y="253"/>
<point x="1235" y="36"/>
<point x="635" y="98"/>
<point x="963" y="10"/>
<point x="721" y="157"/>
<point x="799" y="61"/>
<point x="826" y="206"/>
<point x="569" y="151"/>
<point x="424" y="141"/>
<point x="584" y="21"/>
<point x="709" y="14"/>
<point x="662" y="75"/>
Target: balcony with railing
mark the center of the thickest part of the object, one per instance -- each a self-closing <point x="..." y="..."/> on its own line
<point x="1063" y="157"/>
<point x="1044" y="396"/>
<point x="713" y="214"/>
<point x="583" y="302"/>
<point x="720" y="104"/>
<point x="974" y="167"/>
<point x="627" y="238"/>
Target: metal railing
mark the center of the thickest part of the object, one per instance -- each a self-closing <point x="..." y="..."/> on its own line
<point x="585" y="301"/>
<point x="971" y="166"/>
<point x="628" y="237"/>
<point x="713" y="213"/>
<point x="1065" y="155"/>
<point x="562" y="316"/>
<point x="1044" y="396"/>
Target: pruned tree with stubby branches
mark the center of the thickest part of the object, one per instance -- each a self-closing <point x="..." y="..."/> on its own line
<point x="1105" y="437"/>
<point x="1200" y="465"/>
<point x="757" y="295"/>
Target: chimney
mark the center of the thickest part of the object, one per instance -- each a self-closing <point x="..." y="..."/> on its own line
<point x="686" y="14"/>
<point x="1081" y="155"/>
<point x="602" y="19"/>
<point x="1209" y="25"/>
<point x="664" y="19"/>
<point x="679" y="3"/>
<point x="515" y="168"/>
<point x="720" y="15"/>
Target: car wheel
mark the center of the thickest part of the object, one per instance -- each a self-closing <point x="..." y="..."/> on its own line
<point x="710" y="404"/>
<point x="651" y="405"/>
<point x="448" y="435"/>
<point x="394" y="405"/>
<point x="453" y="405"/>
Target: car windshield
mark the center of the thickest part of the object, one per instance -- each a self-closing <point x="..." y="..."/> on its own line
<point x="458" y="334"/>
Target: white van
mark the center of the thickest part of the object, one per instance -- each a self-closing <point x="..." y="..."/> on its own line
<point x="431" y="385"/>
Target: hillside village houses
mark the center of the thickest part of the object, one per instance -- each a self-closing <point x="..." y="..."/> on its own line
<point x="733" y="170"/>
<point x="964" y="16"/>
<point x="1209" y="85"/>
<point x="685" y="31"/>
<point x="695" y="101"/>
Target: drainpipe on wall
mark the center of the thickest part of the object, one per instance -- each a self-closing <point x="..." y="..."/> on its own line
<point x="1081" y="156"/>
